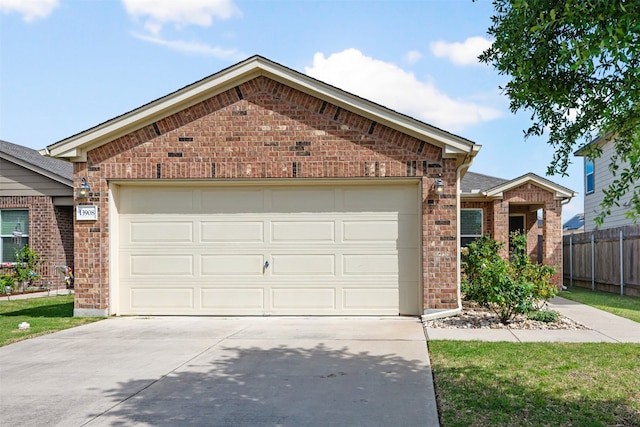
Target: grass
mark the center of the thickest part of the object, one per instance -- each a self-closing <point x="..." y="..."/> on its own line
<point x="536" y="384"/>
<point x="44" y="314"/>
<point x="623" y="306"/>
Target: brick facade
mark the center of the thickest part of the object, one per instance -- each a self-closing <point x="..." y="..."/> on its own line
<point x="50" y="231"/>
<point x="526" y="199"/>
<point x="265" y="130"/>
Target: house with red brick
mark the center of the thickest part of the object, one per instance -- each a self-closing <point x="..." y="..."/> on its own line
<point x="36" y="209"/>
<point x="261" y="191"/>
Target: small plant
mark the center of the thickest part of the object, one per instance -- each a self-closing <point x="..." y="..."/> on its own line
<point x="506" y="287"/>
<point x="6" y="283"/>
<point x="546" y="316"/>
<point x="26" y="266"/>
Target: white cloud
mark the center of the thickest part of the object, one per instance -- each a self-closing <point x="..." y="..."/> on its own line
<point x="412" y="56"/>
<point x="29" y="9"/>
<point x="180" y="13"/>
<point x="193" y="47"/>
<point x="465" y="53"/>
<point x="395" y="88"/>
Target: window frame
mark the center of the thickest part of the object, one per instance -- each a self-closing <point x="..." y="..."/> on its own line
<point x="25" y="233"/>
<point x="589" y="173"/>
<point x="471" y="236"/>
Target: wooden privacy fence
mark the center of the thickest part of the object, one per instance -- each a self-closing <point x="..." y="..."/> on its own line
<point x="604" y="260"/>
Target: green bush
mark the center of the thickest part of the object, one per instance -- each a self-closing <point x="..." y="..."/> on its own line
<point x="506" y="287"/>
<point x="6" y="282"/>
<point x="26" y="266"/>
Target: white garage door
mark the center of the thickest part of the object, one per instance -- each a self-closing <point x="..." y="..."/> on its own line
<point x="301" y="250"/>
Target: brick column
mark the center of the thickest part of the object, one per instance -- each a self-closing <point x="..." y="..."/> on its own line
<point x="501" y="225"/>
<point x="552" y="238"/>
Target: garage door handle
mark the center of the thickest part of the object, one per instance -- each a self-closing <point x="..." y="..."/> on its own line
<point x="266" y="265"/>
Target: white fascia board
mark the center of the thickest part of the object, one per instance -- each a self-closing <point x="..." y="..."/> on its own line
<point x="559" y="191"/>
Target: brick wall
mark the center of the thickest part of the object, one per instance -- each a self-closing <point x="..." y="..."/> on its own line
<point x="521" y="200"/>
<point x="50" y="234"/>
<point x="264" y="130"/>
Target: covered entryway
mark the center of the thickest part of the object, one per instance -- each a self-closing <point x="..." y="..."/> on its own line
<point x="247" y="249"/>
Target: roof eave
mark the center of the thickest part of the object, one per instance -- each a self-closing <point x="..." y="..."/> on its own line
<point x="41" y="171"/>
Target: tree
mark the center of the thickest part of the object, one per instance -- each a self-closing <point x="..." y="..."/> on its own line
<point x="575" y="65"/>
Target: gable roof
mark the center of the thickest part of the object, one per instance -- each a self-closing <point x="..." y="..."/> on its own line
<point x="76" y="147"/>
<point x="58" y="170"/>
<point x="475" y="185"/>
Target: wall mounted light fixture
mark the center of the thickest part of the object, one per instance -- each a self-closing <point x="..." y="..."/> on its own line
<point x="83" y="190"/>
<point x="438" y="185"/>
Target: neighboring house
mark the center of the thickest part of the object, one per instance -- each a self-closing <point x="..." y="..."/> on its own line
<point x="574" y="225"/>
<point x="36" y="208"/>
<point x="597" y="177"/>
<point x="498" y="207"/>
<point x="259" y="190"/>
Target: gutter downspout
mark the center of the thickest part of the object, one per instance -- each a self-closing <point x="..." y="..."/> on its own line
<point x="454" y="311"/>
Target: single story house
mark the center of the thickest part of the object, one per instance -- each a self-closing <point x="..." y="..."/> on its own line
<point x="261" y="191"/>
<point x="36" y="208"/>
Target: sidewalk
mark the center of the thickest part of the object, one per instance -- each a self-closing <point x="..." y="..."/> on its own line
<point x="38" y="294"/>
<point x="605" y="327"/>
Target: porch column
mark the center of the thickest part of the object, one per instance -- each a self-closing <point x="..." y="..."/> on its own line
<point x="501" y="225"/>
<point x="552" y="238"/>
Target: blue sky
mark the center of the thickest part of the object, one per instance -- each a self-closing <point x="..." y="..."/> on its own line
<point x="68" y="65"/>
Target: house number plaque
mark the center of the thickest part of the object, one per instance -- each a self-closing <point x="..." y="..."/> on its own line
<point x="86" y="213"/>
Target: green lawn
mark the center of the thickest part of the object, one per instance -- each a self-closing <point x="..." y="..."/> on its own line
<point x="623" y="306"/>
<point x="536" y="384"/>
<point x="44" y="314"/>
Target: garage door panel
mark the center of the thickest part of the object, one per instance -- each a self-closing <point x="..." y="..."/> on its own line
<point x="232" y="200"/>
<point x="366" y="298"/>
<point x="232" y="231"/>
<point x="160" y="232"/>
<point x="380" y="199"/>
<point x="370" y="264"/>
<point x="302" y="231"/>
<point x="233" y="298"/>
<point x="304" y="298"/>
<point x="294" y="200"/>
<point x="232" y="265"/>
<point x="160" y="297"/>
<point x="370" y="231"/>
<point x="149" y="200"/>
<point x="308" y="265"/>
<point x="161" y="265"/>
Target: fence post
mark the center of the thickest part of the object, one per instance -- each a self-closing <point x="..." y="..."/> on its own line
<point x="571" y="261"/>
<point x="593" y="261"/>
<point x="621" y="264"/>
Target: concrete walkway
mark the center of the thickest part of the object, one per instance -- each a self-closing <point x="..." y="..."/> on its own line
<point x="604" y="327"/>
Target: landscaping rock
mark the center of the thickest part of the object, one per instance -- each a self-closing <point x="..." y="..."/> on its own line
<point x="475" y="317"/>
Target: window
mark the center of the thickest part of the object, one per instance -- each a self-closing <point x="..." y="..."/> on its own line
<point x="14" y="232"/>
<point x="588" y="173"/>
<point x="470" y="225"/>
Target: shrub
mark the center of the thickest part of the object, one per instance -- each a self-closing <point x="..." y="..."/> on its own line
<point x="6" y="283"/>
<point x="506" y="287"/>
<point x="26" y="266"/>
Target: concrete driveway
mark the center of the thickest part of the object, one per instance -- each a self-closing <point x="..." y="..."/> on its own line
<point x="207" y="371"/>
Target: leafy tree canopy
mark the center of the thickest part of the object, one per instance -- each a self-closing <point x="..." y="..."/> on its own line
<point x="575" y="65"/>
